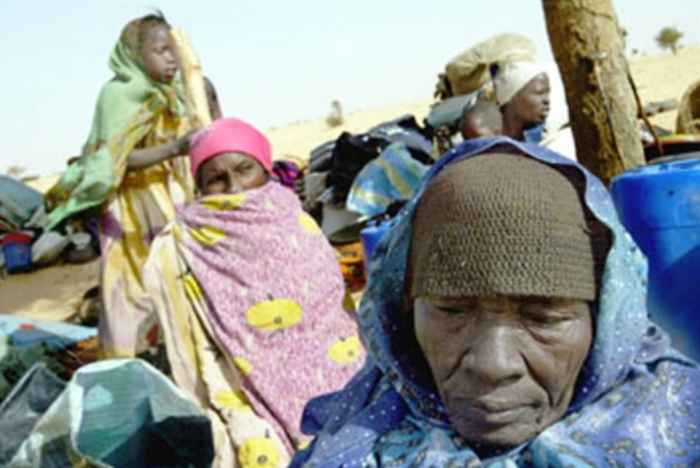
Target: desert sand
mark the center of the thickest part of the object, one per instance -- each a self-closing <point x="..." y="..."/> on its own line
<point x="56" y="293"/>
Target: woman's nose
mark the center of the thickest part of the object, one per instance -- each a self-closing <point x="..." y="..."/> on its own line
<point x="494" y="355"/>
<point x="234" y="184"/>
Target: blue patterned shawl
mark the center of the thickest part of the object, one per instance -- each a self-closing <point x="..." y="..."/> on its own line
<point x="392" y="177"/>
<point x="637" y="401"/>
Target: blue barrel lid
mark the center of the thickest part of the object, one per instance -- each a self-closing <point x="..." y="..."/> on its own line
<point x="680" y="163"/>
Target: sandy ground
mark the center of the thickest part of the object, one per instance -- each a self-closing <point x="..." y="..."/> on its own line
<point x="55" y="293"/>
<point x="666" y="77"/>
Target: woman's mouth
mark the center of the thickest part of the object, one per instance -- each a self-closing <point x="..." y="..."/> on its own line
<point x="492" y="413"/>
<point x="499" y="416"/>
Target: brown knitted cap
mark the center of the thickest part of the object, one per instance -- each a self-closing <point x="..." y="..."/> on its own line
<point x="504" y="224"/>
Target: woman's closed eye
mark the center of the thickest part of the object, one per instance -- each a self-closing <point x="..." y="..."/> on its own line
<point x="454" y="309"/>
<point x="547" y="314"/>
<point x="450" y="310"/>
<point x="244" y="167"/>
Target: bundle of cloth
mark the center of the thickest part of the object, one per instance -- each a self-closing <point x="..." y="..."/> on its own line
<point x="391" y="178"/>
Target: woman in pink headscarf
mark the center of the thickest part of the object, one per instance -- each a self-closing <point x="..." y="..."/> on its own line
<point x="249" y="300"/>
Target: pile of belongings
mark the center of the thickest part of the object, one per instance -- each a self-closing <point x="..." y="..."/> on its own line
<point x="22" y="217"/>
<point x="21" y="208"/>
<point x="342" y="159"/>
<point x="399" y="149"/>
<point x="471" y="69"/>
<point x="62" y="347"/>
<point x="59" y="407"/>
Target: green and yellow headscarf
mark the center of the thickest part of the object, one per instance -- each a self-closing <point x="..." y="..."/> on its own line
<point x="127" y="111"/>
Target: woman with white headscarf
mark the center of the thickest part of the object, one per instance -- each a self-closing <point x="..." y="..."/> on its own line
<point x="533" y="104"/>
<point x="522" y="91"/>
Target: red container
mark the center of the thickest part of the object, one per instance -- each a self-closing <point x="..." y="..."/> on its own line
<point x="16" y="238"/>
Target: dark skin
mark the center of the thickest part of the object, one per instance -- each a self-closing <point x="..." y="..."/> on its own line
<point x="528" y="108"/>
<point x="475" y="127"/>
<point x="505" y="367"/>
<point x="158" y="56"/>
<point x="159" y="61"/>
<point x="230" y="173"/>
<point x="483" y="120"/>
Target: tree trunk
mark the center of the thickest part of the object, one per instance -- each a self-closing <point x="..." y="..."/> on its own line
<point x="587" y="43"/>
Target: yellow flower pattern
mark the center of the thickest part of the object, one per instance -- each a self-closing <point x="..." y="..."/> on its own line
<point x="308" y="224"/>
<point x="243" y="365"/>
<point x="345" y="350"/>
<point x="224" y="202"/>
<point x="192" y="289"/>
<point x="259" y="452"/>
<point x="207" y="235"/>
<point x="234" y="400"/>
<point x="274" y="314"/>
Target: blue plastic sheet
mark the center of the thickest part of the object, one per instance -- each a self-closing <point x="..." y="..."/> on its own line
<point x="18" y="202"/>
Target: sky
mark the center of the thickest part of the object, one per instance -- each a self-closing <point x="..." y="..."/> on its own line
<point x="272" y="62"/>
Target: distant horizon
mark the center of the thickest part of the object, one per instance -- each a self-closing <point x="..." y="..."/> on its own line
<point x="275" y="65"/>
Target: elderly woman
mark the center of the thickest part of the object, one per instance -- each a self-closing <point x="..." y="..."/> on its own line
<point x="506" y="325"/>
<point x="249" y="298"/>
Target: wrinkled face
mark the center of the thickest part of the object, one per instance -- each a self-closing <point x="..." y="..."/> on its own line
<point x="531" y="104"/>
<point x="505" y="367"/>
<point x="158" y="54"/>
<point x="230" y="173"/>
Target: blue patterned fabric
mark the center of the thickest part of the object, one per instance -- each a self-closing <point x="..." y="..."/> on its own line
<point x="534" y="135"/>
<point x="393" y="176"/>
<point x="637" y="402"/>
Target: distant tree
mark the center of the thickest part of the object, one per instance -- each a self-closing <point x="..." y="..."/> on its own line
<point x="668" y="38"/>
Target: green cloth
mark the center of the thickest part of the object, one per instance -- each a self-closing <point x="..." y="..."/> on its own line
<point x="127" y="111"/>
<point x="15" y="362"/>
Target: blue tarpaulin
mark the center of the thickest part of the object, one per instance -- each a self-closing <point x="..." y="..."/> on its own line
<point x="18" y="202"/>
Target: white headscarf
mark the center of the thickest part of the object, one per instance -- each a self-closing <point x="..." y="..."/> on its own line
<point x="512" y="77"/>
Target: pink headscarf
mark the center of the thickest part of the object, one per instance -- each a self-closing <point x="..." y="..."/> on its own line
<point x="227" y="136"/>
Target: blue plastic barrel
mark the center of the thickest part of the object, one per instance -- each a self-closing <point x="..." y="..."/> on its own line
<point x="17" y="250"/>
<point x="659" y="205"/>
